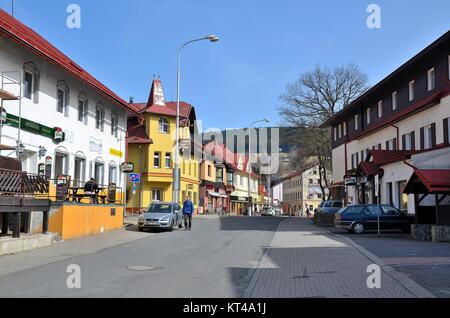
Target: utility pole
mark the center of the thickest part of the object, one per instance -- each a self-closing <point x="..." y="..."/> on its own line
<point x="12" y="7"/>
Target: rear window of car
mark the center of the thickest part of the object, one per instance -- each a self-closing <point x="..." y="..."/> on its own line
<point x="327" y="204"/>
<point x="372" y="210"/>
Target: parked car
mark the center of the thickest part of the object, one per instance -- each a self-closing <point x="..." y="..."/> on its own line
<point x="330" y="207"/>
<point x="267" y="211"/>
<point x="163" y="216"/>
<point x="364" y="217"/>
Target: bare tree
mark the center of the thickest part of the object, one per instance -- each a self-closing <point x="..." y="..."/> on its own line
<point x="311" y="100"/>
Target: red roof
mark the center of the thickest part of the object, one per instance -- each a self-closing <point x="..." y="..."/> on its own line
<point x="137" y="135"/>
<point x="433" y="181"/>
<point x="19" y="32"/>
<point x="383" y="157"/>
<point x="370" y="168"/>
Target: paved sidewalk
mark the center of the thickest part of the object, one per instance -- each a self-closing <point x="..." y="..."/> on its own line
<point x="305" y="261"/>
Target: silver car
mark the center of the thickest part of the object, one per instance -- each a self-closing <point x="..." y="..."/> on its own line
<point x="267" y="211"/>
<point x="163" y="216"/>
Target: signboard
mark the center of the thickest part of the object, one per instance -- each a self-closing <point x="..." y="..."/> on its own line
<point x="54" y="134"/>
<point x="116" y="153"/>
<point x="135" y="177"/>
<point x="127" y="167"/>
<point x="95" y="145"/>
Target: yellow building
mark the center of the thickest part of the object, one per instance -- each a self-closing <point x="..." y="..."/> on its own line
<point x="151" y="147"/>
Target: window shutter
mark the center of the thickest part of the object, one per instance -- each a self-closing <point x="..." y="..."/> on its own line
<point x="413" y="140"/>
<point x="446" y="141"/>
<point x="404" y="142"/>
<point x="422" y="138"/>
<point x="433" y="135"/>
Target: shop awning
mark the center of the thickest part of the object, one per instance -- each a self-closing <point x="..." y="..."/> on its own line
<point x="429" y="181"/>
<point x="217" y="194"/>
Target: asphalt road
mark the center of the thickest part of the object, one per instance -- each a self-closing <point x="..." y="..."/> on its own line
<point x="215" y="259"/>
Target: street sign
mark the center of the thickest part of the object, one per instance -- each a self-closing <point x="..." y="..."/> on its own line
<point x="135" y="177"/>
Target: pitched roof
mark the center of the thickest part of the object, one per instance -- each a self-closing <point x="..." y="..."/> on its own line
<point x="137" y="135"/>
<point x="383" y="157"/>
<point x="429" y="181"/>
<point x="369" y="168"/>
<point x="19" y="32"/>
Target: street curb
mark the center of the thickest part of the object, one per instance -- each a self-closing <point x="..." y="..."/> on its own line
<point x="413" y="287"/>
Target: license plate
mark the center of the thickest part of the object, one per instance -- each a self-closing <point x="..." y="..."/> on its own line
<point x="152" y="223"/>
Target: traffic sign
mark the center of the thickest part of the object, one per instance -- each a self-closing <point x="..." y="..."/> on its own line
<point x="135" y="177"/>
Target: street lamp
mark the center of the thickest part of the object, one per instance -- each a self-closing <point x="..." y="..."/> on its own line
<point x="250" y="164"/>
<point x="176" y="172"/>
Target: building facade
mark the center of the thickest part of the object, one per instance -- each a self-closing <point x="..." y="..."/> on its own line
<point x="70" y="123"/>
<point x="151" y="147"/>
<point x="376" y="136"/>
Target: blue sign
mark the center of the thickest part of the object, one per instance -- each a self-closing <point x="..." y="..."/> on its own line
<point x="135" y="177"/>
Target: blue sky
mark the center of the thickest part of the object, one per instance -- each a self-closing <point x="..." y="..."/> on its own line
<point x="264" y="45"/>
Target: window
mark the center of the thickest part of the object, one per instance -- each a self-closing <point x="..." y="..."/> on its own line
<point x="82" y="108"/>
<point x="168" y="160"/>
<point x="112" y="174"/>
<point x="219" y="175"/>
<point x="390" y="193"/>
<point x="447" y="130"/>
<point x="114" y="124"/>
<point x="449" y="67"/>
<point x="380" y="109"/>
<point x="356" y="122"/>
<point x="431" y="81"/>
<point x="388" y="210"/>
<point x="61" y="164"/>
<point x="368" y="115"/>
<point x="99" y="172"/>
<point x="340" y="131"/>
<point x="99" y="117"/>
<point x="394" y="100"/>
<point x="28" y="85"/>
<point x="344" y="128"/>
<point x="311" y="181"/>
<point x="62" y="94"/>
<point x="31" y="82"/>
<point x="411" y="90"/>
<point x="427" y="135"/>
<point x="408" y="141"/>
<point x="209" y="170"/>
<point x="403" y="198"/>
<point x="335" y="133"/>
<point x="157" y="195"/>
<point x="80" y="170"/>
<point x="391" y="144"/>
<point x="157" y="160"/>
<point x="372" y="210"/>
<point x="163" y="125"/>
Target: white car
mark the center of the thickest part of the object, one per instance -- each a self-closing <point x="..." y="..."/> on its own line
<point x="268" y="212"/>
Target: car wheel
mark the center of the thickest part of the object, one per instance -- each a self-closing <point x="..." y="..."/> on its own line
<point x="358" y="228"/>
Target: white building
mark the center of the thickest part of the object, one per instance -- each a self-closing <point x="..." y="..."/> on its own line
<point x="57" y="95"/>
<point x="376" y="138"/>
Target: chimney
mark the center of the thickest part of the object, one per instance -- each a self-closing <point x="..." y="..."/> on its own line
<point x="131" y="99"/>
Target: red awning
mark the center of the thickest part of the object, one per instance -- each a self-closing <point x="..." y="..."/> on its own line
<point x="429" y="181"/>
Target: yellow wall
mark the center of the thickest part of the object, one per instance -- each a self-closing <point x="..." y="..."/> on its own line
<point x="161" y="178"/>
<point x="74" y="221"/>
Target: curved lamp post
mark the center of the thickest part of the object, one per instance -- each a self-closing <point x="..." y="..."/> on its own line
<point x="250" y="163"/>
<point x="176" y="172"/>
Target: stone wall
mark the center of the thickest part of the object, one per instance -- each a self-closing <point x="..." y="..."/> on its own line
<point x="421" y="232"/>
<point x="440" y="233"/>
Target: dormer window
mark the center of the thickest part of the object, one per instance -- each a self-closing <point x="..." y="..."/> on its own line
<point x="380" y="109"/>
<point x="411" y="90"/>
<point x="394" y="100"/>
<point x="431" y="81"/>
<point x="163" y="125"/>
<point x="368" y="116"/>
<point x="356" y="122"/>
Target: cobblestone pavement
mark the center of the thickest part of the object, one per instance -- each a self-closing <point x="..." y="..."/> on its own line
<point x="304" y="261"/>
<point x="426" y="263"/>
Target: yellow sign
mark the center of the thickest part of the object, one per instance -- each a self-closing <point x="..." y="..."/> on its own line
<point x="115" y="152"/>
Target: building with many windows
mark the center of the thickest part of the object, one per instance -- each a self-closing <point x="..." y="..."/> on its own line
<point x="70" y="123"/>
<point x="376" y="137"/>
<point x="151" y="147"/>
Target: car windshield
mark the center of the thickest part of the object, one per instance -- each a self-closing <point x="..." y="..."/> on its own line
<point x="328" y="204"/>
<point x="159" y="208"/>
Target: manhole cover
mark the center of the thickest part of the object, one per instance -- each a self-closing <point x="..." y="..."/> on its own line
<point x="142" y="268"/>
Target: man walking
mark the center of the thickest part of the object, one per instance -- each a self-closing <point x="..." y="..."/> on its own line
<point x="188" y="210"/>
